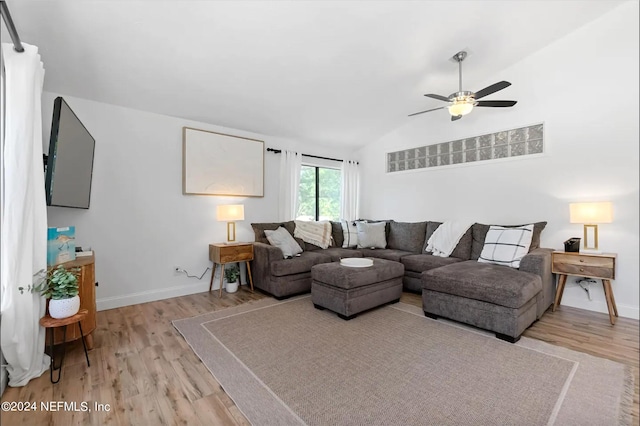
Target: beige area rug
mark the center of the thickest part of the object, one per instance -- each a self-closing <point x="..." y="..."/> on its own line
<point x="288" y="363"/>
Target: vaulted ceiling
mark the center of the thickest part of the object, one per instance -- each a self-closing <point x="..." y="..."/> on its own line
<point x="331" y="72"/>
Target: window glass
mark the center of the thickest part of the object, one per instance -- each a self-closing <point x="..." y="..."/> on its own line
<point x="321" y="201"/>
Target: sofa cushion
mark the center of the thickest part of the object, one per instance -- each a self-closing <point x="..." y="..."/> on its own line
<point x="462" y="250"/>
<point x="299" y="264"/>
<point x="487" y="282"/>
<point x="407" y="236"/>
<point x="431" y="228"/>
<point x="336" y="234"/>
<point x="389" y="254"/>
<point x="371" y="235"/>
<point x="506" y="246"/>
<point x="424" y="262"/>
<point x="480" y="233"/>
<point x="337" y="253"/>
<point x="282" y="239"/>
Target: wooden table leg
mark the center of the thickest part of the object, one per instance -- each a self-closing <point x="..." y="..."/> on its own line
<point x="213" y="273"/>
<point x="89" y="339"/>
<point x="608" y="294"/>
<point x="249" y="273"/>
<point x="613" y="299"/>
<point x="561" y="282"/>
<point x="221" y="278"/>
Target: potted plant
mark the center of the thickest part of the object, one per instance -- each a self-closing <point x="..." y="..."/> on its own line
<point x="61" y="286"/>
<point x="232" y="274"/>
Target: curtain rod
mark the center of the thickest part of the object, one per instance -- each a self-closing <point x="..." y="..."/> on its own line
<point x="278" y="151"/>
<point x="17" y="45"/>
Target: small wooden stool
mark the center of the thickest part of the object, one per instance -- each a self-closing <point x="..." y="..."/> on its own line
<point x="49" y="322"/>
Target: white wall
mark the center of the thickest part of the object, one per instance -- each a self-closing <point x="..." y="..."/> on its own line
<point x="584" y="88"/>
<point x="139" y="224"/>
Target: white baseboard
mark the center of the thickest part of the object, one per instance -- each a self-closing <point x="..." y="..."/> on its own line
<point x="165" y="293"/>
<point x="601" y="306"/>
<point x="150" y="296"/>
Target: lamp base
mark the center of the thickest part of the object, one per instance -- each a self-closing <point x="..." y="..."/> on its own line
<point x="231" y="232"/>
<point x="591" y="251"/>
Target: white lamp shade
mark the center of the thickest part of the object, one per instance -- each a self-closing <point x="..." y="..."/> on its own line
<point x="591" y="213"/>
<point x="230" y="212"/>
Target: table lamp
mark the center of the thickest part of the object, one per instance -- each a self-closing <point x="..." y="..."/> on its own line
<point x="230" y="213"/>
<point x="591" y="214"/>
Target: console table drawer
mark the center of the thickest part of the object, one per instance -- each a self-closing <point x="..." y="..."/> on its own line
<point x="596" y="266"/>
<point x="230" y="253"/>
<point x="583" y="270"/>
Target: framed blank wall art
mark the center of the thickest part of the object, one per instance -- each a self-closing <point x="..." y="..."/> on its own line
<point x="218" y="164"/>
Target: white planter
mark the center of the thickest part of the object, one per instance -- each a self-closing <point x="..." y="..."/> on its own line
<point x="231" y="287"/>
<point x="64" y="308"/>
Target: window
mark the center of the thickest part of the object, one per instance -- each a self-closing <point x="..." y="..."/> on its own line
<point x="319" y="195"/>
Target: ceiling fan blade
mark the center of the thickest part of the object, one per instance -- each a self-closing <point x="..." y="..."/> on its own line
<point x="438" y="97"/>
<point x="496" y="104"/>
<point x="422" y="112"/>
<point x="492" y="89"/>
<point x="455" y="117"/>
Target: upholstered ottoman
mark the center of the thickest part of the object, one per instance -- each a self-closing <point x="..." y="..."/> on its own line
<point x="348" y="291"/>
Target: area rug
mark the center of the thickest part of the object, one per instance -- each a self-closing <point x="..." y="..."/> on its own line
<point x="287" y="363"/>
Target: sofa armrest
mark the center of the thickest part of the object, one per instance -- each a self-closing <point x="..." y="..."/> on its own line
<point x="266" y="252"/>
<point x="538" y="262"/>
<point x="263" y="255"/>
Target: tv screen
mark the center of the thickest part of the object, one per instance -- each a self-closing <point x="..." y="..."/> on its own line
<point x="70" y="160"/>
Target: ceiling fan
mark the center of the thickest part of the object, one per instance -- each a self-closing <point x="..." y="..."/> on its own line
<point x="462" y="102"/>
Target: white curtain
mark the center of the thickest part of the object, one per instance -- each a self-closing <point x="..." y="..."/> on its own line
<point x="349" y="208"/>
<point x="24" y="216"/>
<point x="290" y="167"/>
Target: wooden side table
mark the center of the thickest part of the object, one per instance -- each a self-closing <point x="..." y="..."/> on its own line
<point x="599" y="266"/>
<point x="49" y="322"/>
<point x="221" y="254"/>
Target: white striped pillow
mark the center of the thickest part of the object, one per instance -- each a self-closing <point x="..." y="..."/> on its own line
<point x="506" y="246"/>
<point x="349" y="233"/>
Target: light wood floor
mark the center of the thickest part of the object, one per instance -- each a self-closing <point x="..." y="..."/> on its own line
<point x="142" y="367"/>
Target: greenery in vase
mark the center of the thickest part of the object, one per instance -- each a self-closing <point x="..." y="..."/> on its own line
<point x="58" y="283"/>
<point x="231" y="273"/>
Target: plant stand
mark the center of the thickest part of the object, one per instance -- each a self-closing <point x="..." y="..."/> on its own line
<point x="49" y="322"/>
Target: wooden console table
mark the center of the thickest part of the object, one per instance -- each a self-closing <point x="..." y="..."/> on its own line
<point x="599" y="266"/>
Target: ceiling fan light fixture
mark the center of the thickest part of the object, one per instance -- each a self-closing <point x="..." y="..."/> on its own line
<point x="462" y="102"/>
<point x="460" y="108"/>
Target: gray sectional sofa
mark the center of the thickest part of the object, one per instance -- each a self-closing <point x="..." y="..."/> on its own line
<point x="501" y="299"/>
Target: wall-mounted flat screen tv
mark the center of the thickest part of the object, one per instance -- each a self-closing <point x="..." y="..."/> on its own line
<point x="70" y="160"/>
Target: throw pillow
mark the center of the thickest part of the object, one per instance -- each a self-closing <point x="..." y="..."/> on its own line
<point x="282" y="239"/>
<point x="506" y="246"/>
<point x="371" y="235"/>
<point x="480" y="233"/>
<point x="349" y="234"/>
